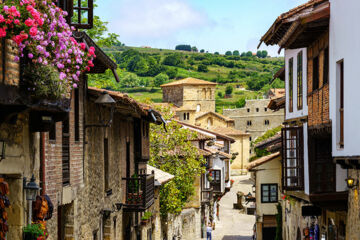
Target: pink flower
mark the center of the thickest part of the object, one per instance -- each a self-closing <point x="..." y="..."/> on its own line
<point x="62" y="76"/>
<point x="17" y="22"/>
<point x="74" y="85"/>
<point x="2" y="19"/>
<point x="83" y="46"/>
<point x="30" y="55"/>
<point x="92" y="50"/>
<point x="16" y="59"/>
<point x="29" y="22"/>
<point x="2" y="32"/>
<point x="33" y="31"/>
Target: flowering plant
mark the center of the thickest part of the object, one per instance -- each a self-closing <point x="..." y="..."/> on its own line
<point x="40" y="30"/>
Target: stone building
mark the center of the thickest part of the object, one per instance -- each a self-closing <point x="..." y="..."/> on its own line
<point x="194" y="101"/>
<point x="255" y="118"/>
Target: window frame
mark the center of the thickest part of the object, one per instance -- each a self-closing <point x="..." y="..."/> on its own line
<point x="340" y="79"/>
<point x="293" y="157"/>
<point x="291" y="83"/>
<point x="315" y="73"/>
<point x="326" y="66"/>
<point x="269" y="185"/>
<point x="68" y="5"/>
<point x="300" y="80"/>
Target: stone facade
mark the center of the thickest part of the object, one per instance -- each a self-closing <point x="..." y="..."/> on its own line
<point x="211" y="120"/>
<point x="255" y="118"/>
<point x="353" y="216"/>
<point x="185" y="226"/>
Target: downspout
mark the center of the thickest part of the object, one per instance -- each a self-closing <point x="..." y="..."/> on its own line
<point x="42" y="163"/>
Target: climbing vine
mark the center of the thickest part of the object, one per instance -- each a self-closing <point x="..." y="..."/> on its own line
<point x="172" y="152"/>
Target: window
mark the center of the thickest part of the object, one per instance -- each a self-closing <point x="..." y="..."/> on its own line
<point x="106" y="164"/>
<point x="248" y="110"/>
<point x="209" y="122"/>
<point x="52" y="132"/>
<point x="257" y="109"/>
<point x="292" y="140"/>
<point x="80" y="12"/>
<point x="114" y="226"/>
<point x="248" y="123"/>
<point x="65" y="152"/>
<point x="315" y="73"/>
<point x="184" y="116"/>
<point x="76" y="114"/>
<point x="188" y="116"/>
<point x="267" y="122"/>
<point x="291" y="84"/>
<point x="340" y="82"/>
<point x="326" y="66"/>
<point x="265" y="109"/>
<point x="250" y="139"/>
<point x="300" y="80"/>
<point x="198" y="108"/>
<point x="269" y="193"/>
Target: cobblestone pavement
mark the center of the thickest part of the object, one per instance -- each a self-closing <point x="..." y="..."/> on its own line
<point x="234" y="224"/>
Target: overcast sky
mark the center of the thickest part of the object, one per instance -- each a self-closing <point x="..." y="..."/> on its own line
<point x="213" y="25"/>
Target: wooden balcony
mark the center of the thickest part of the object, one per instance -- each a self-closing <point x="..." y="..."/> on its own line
<point x="139" y="193"/>
<point x="206" y="195"/>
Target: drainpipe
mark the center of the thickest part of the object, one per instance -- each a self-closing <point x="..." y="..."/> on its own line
<point x="42" y="163"/>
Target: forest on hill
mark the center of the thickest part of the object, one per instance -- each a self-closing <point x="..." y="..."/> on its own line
<point x="143" y="70"/>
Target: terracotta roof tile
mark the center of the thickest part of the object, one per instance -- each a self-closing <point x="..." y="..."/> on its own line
<point x="227" y="119"/>
<point x="188" y="81"/>
<point x="215" y="151"/>
<point x="262" y="160"/>
<point x="229" y="131"/>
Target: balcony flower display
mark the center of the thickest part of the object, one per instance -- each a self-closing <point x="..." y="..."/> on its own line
<point x="40" y="30"/>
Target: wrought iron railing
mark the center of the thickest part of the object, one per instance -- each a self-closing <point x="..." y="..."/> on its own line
<point x="206" y="195"/>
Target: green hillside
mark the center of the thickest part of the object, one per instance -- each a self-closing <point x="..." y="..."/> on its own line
<point x="143" y="70"/>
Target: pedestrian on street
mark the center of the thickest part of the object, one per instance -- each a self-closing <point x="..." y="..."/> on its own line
<point x="208" y="232"/>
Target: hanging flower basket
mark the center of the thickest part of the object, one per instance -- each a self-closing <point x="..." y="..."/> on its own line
<point x="40" y="30"/>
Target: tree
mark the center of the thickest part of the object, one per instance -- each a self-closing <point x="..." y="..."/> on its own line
<point x="228" y="53"/>
<point x="216" y="53"/>
<point x="249" y="54"/>
<point x="172" y="72"/>
<point x="194" y="49"/>
<point x="138" y="65"/>
<point x="259" y="54"/>
<point x="264" y="54"/>
<point x="202" y="68"/>
<point x="130" y="80"/>
<point x="172" y="152"/>
<point x="160" y="79"/>
<point x="240" y="103"/>
<point x="183" y="47"/>
<point x="173" y="59"/>
<point x="202" y="50"/>
<point x="243" y="54"/>
<point x="236" y="53"/>
<point x="229" y="89"/>
<point x="220" y="94"/>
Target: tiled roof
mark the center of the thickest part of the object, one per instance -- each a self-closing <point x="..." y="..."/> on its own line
<point x="262" y="160"/>
<point x="268" y="143"/>
<point x="277" y="92"/>
<point x="141" y="108"/>
<point x="227" y="119"/>
<point x="229" y="131"/>
<point x="215" y="151"/>
<point x="160" y="176"/>
<point x="220" y="135"/>
<point x="277" y="103"/>
<point x="188" y="81"/>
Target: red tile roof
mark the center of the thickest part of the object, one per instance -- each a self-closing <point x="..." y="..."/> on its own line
<point x="188" y="81"/>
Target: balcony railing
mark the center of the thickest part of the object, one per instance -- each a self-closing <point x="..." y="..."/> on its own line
<point x="206" y="195"/>
<point x="139" y="193"/>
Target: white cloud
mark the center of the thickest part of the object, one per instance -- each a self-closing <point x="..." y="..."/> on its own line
<point x="155" y="18"/>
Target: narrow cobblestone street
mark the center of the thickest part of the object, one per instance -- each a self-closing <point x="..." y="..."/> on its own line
<point x="234" y="224"/>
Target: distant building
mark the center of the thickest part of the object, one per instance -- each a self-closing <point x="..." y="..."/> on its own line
<point x="255" y="118"/>
<point x="195" y="102"/>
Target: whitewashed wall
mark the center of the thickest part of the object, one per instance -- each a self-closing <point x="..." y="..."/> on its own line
<point x="219" y="164"/>
<point x="292" y="53"/>
<point x="344" y="44"/>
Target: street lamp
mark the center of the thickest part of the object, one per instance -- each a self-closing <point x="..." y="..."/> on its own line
<point x="104" y="100"/>
<point x="2" y="149"/>
<point x="31" y="190"/>
<point x="351" y="182"/>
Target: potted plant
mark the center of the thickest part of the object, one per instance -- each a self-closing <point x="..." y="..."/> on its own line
<point x="146" y="217"/>
<point x="34" y="232"/>
<point x="231" y="182"/>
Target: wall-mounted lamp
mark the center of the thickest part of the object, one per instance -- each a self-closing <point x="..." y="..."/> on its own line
<point x="104" y="100"/>
<point x="351" y="182"/>
<point x="31" y="190"/>
<point x="2" y="149"/>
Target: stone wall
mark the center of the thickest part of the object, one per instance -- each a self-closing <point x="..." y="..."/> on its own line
<point x="173" y="94"/>
<point x="204" y="96"/>
<point x="241" y="146"/>
<point x="318" y="99"/>
<point x="12" y="68"/>
<point x="211" y="121"/>
<point x="257" y="112"/>
<point x="186" y="226"/>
